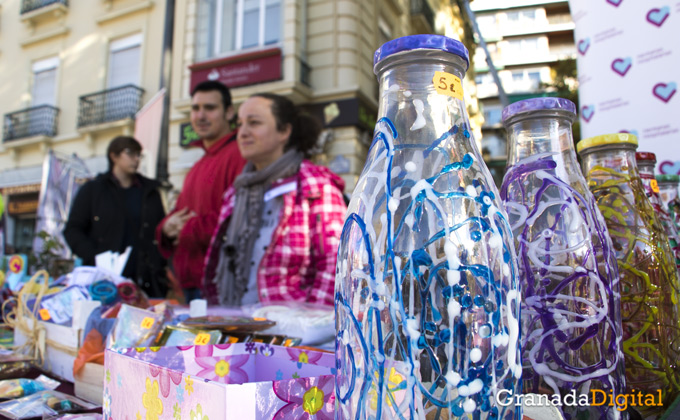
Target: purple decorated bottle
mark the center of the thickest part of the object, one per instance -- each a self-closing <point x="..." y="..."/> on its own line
<point x="646" y="162"/>
<point x="668" y="192"/>
<point x="649" y="281"/>
<point x="427" y="297"/>
<point x="571" y="319"/>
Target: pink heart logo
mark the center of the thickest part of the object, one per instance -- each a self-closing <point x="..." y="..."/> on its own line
<point x="658" y="16"/>
<point x="614" y="3"/>
<point x="664" y="91"/>
<point x="668" y="167"/>
<point x="583" y="46"/>
<point x="587" y="112"/>
<point x="622" y="65"/>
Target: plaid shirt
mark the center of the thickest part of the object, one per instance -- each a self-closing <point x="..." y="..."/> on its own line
<point x="299" y="264"/>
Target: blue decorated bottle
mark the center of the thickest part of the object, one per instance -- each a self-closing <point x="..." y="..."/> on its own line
<point x="571" y="306"/>
<point x="427" y="293"/>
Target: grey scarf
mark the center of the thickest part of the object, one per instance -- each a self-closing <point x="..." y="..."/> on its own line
<point x="233" y="268"/>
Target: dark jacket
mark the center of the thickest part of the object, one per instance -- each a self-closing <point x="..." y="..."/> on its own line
<point x="96" y="224"/>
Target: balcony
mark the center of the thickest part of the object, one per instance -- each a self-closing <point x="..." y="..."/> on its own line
<point x="36" y="12"/>
<point x="109" y="105"/>
<point x="36" y="121"/>
<point x="422" y="16"/>
<point x="31" y="5"/>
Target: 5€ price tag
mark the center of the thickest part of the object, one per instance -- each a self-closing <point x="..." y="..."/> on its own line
<point x="654" y="185"/>
<point x="448" y="84"/>
<point x="147" y="323"/>
<point x="44" y="314"/>
<point x="202" y="339"/>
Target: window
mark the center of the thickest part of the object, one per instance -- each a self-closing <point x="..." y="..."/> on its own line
<point x="45" y="82"/>
<point x="492" y="115"/>
<point x="124" y="61"/>
<point x="487" y="25"/>
<point x="534" y="79"/>
<point x="231" y="25"/>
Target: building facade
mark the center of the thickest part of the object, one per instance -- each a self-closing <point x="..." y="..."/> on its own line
<point x="526" y="40"/>
<point x="75" y="74"/>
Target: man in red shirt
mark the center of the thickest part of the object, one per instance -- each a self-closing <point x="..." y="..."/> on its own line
<point x="185" y="233"/>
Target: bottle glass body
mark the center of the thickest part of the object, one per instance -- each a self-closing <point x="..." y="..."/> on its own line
<point x="646" y="169"/>
<point x="571" y="318"/>
<point x="427" y="297"/>
<point x="668" y="192"/>
<point x="649" y="282"/>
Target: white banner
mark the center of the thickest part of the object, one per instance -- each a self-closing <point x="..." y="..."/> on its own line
<point x="57" y="191"/>
<point x="629" y="72"/>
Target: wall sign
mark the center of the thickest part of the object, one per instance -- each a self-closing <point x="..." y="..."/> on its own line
<point x="241" y="70"/>
<point x="627" y="68"/>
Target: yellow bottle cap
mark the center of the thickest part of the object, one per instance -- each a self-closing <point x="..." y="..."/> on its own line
<point x="618" y="138"/>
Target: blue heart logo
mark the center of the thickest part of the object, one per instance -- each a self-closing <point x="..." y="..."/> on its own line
<point x="658" y="16"/>
<point x="587" y="112"/>
<point x="668" y="167"/>
<point x="583" y="46"/>
<point x="665" y="91"/>
<point x="614" y="2"/>
<point x="622" y="65"/>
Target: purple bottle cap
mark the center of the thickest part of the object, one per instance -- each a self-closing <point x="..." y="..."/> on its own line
<point x="419" y="42"/>
<point x="539" y="104"/>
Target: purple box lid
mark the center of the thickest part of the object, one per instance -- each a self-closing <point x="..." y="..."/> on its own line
<point x="538" y="104"/>
<point x="417" y="42"/>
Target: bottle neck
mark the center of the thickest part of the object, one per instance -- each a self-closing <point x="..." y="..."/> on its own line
<point x="544" y="132"/>
<point x="668" y="191"/>
<point x="422" y="95"/>
<point x="646" y="170"/>
<point x="610" y="162"/>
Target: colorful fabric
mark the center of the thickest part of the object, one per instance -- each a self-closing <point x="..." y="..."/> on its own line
<point x="299" y="264"/>
<point x="201" y="193"/>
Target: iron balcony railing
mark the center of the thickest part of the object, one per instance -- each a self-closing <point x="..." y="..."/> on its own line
<point x="35" y="121"/>
<point x="422" y="7"/>
<point x="109" y="105"/>
<point x="31" y="5"/>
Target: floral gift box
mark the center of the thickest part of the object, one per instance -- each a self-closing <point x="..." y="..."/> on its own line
<point x="239" y="381"/>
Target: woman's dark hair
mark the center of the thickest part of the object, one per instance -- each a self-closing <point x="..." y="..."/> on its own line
<point x="305" y="128"/>
<point x="214" y="85"/>
<point x="120" y="143"/>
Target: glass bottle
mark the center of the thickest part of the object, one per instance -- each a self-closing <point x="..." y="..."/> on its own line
<point x="427" y="295"/>
<point x="649" y="283"/>
<point x="571" y="308"/>
<point x="646" y="162"/>
<point x="668" y="192"/>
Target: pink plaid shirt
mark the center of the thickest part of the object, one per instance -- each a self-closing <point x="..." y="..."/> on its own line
<point x="299" y="264"/>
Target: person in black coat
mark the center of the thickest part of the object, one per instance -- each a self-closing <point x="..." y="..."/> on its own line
<point x="117" y="209"/>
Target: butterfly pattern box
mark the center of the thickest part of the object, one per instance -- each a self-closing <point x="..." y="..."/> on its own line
<point x="239" y="381"/>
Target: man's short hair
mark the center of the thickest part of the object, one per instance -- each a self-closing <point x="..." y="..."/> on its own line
<point x="212" y="85"/>
<point x="120" y="143"/>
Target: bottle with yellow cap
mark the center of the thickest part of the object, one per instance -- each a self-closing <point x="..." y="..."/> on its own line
<point x="649" y="281"/>
<point x="668" y="192"/>
<point x="571" y="312"/>
<point x="646" y="162"/>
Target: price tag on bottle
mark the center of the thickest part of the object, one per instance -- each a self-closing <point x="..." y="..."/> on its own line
<point x="448" y="84"/>
<point x="654" y="185"/>
<point x="202" y="339"/>
<point x="44" y="314"/>
<point x="147" y="323"/>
